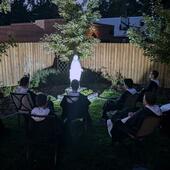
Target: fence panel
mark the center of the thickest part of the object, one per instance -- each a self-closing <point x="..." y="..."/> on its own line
<point x="24" y="58"/>
<point x="126" y="59"/>
<point x="107" y="57"/>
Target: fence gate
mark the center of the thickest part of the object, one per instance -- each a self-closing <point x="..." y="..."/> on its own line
<point x="60" y="65"/>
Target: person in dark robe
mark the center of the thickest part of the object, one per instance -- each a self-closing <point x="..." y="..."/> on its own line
<point x="112" y="105"/>
<point x="75" y="105"/>
<point x="165" y="121"/>
<point x="152" y="85"/>
<point x="131" y="124"/>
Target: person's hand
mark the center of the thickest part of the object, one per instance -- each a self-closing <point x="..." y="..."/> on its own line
<point x="131" y="114"/>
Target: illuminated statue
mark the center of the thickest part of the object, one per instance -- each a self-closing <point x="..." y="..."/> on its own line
<point x="75" y="69"/>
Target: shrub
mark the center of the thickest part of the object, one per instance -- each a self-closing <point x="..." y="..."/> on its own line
<point x="6" y="90"/>
<point x="90" y="76"/>
<point x="116" y="80"/>
<point x="41" y="77"/>
<point x="48" y="77"/>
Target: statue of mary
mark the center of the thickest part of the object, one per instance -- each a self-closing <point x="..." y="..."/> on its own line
<point x="75" y="69"/>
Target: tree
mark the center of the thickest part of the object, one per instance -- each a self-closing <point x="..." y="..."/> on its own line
<point x="117" y="8"/>
<point x="155" y="39"/>
<point x="19" y="12"/>
<point x="71" y="36"/>
<point x="5" y="6"/>
<point x="44" y="10"/>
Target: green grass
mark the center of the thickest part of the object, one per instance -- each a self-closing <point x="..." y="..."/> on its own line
<point x="93" y="152"/>
<point x="108" y="93"/>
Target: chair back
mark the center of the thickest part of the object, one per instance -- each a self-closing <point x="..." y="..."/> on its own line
<point x="75" y="108"/>
<point x="165" y="122"/>
<point x="44" y="131"/>
<point x="131" y="101"/>
<point x="22" y="102"/>
<point x="77" y="116"/>
<point x="148" y="126"/>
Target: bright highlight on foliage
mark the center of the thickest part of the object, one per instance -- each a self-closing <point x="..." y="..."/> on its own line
<point x="71" y="36"/>
<point x="155" y="39"/>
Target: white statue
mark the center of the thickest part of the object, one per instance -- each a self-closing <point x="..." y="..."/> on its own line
<point x="75" y="69"/>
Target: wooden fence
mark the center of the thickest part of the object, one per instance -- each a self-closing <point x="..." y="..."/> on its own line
<point x="24" y="58"/>
<point x="108" y="58"/>
<point x="126" y="59"/>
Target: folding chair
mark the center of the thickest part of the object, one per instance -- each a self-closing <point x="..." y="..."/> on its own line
<point x="77" y="116"/>
<point x="23" y="104"/>
<point x="147" y="128"/>
<point x="42" y="135"/>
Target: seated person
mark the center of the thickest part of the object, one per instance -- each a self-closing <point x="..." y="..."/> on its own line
<point x="165" y="121"/>
<point x="42" y="108"/>
<point x="111" y="105"/>
<point x="152" y="86"/>
<point x="133" y="122"/>
<point x="23" y="88"/>
<point x="75" y="105"/>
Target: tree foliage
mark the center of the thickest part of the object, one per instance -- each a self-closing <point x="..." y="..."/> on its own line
<point x="44" y="10"/>
<point x="5" y="6"/>
<point x="71" y="36"/>
<point x="155" y="38"/>
<point x="117" y="8"/>
<point x="5" y="45"/>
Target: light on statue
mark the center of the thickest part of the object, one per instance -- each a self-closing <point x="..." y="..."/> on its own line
<point x="75" y="69"/>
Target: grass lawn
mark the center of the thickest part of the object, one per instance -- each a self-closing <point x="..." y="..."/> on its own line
<point x="94" y="152"/>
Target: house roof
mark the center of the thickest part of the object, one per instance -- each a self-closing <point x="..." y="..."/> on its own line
<point x="28" y="32"/>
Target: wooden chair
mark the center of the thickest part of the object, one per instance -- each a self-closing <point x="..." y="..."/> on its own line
<point x="148" y="126"/>
<point x="139" y="148"/>
<point x="165" y="123"/>
<point x="23" y="104"/>
<point x="42" y="134"/>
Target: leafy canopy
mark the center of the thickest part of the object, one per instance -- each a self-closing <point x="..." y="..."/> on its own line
<point x="155" y="38"/>
<point x="71" y="37"/>
<point x="5" y="6"/>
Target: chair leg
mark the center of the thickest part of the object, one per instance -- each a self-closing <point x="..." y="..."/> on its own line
<point x="19" y="120"/>
<point x="55" y="158"/>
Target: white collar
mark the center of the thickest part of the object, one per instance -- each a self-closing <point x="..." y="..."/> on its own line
<point x="132" y="91"/>
<point x="165" y="107"/>
<point x="156" y="81"/>
<point x="155" y="109"/>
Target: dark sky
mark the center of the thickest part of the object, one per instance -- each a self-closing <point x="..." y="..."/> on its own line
<point x="166" y="3"/>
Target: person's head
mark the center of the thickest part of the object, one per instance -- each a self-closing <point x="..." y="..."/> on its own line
<point x="41" y="100"/>
<point x="75" y="85"/>
<point x="149" y="98"/>
<point x="154" y="74"/>
<point x="24" y="82"/>
<point x="128" y="83"/>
